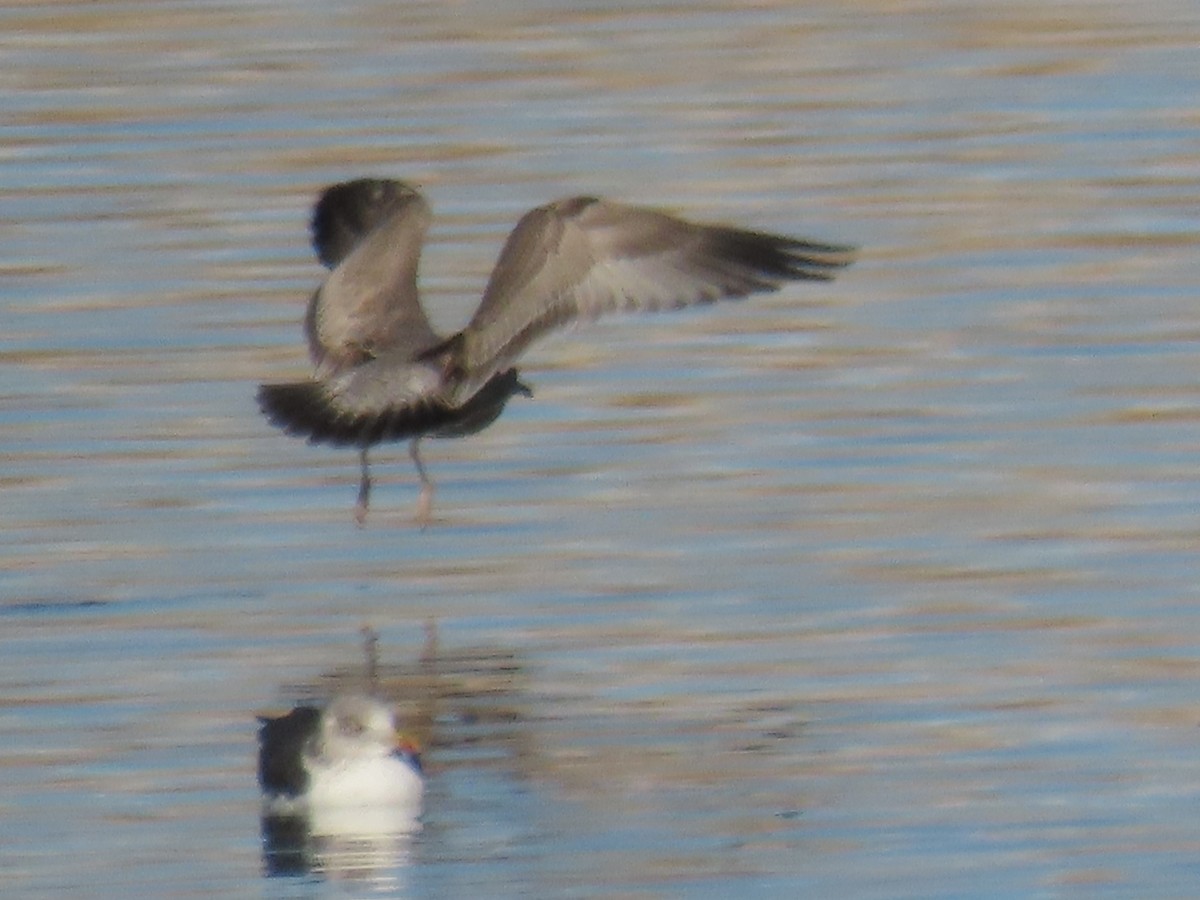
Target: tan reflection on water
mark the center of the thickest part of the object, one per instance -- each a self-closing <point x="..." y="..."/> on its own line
<point x="863" y="584"/>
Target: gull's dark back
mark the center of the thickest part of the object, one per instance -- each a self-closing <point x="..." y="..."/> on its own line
<point x="282" y="742"/>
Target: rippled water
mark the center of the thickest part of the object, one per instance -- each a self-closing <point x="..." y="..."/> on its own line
<point x="872" y="589"/>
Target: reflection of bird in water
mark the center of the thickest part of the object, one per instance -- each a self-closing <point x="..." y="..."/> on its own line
<point x="382" y="373"/>
<point x="345" y="756"/>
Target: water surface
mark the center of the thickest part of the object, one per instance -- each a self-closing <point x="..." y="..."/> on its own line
<point x="872" y="589"/>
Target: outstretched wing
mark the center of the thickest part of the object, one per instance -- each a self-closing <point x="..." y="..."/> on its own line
<point x="583" y="257"/>
<point x="369" y="232"/>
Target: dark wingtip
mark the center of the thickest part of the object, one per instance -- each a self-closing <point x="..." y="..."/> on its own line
<point x="765" y="260"/>
<point x="810" y="259"/>
<point x="345" y="212"/>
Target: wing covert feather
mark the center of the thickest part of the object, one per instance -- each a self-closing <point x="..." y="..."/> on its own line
<point x="371" y="231"/>
<point x="581" y="257"/>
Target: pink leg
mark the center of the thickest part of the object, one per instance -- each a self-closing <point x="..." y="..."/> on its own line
<point x="425" y="500"/>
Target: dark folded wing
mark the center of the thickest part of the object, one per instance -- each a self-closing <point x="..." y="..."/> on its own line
<point x="281" y="745"/>
<point x="583" y="257"/>
<point x="370" y="233"/>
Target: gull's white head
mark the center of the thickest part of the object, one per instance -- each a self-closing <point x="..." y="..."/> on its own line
<point x="355" y="728"/>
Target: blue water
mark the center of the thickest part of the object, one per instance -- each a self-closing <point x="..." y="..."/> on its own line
<point x="881" y="588"/>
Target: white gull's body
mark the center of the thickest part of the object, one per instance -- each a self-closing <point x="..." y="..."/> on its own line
<point x="346" y="758"/>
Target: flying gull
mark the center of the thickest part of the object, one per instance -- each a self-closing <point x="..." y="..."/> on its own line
<point x="383" y="374"/>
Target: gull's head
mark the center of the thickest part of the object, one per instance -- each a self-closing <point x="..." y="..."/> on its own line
<point x="357" y="727"/>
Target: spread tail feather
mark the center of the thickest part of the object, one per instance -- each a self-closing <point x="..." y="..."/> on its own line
<point x="302" y="409"/>
<point x="305" y="409"/>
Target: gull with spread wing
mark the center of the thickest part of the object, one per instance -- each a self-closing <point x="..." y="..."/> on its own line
<point x="383" y="374"/>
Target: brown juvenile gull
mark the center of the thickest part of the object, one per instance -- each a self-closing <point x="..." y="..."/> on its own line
<point x="383" y="374"/>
